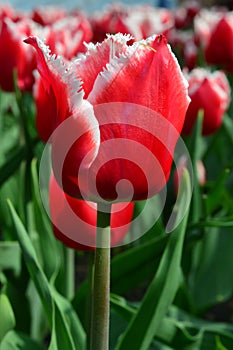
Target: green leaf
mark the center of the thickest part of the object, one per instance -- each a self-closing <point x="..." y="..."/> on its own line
<point x="219" y="345"/>
<point x="136" y="265"/>
<point x="7" y="319"/>
<point x="179" y="329"/>
<point x="212" y="279"/>
<point x="228" y="126"/>
<point x="120" y="305"/>
<point x="12" y="163"/>
<point x="60" y="322"/>
<point x="161" y="292"/>
<point x="50" y="249"/>
<point x="10" y="256"/>
<point x="73" y="322"/>
<point x="195" y="156"/>
<point x="19" y="341"/>
<point x="215" y="196"/>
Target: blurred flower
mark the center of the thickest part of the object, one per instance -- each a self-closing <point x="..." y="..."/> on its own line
<point x="48" y="15"/>
<point x="6" y="11"/>
<point x="74" y="221"/>
<point x="209" y="92"/>
<point x="133" y="95"/>
<point x="67" y="36"/>
<point x="184" y="16"/>
<point x="185" y="46"/>
<point x="141" y="21"/>
<point x="215" y="30"/>
<point x="16" y="56"/>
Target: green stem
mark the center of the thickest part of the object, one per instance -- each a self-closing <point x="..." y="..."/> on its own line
<point x="89" y="298"/>
<point x="101" y="287"/>
<point x="69" y="255"/>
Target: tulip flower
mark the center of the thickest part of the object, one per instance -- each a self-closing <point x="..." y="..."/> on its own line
<point x="48" y="15"/>
<point x="140" y="21"/>
<point x="67" y="36"/>
<point x="133" y="98"/>
<point x="74" y="220"/>
<point x="209" y="92"/>
<point x="15" y="56"/>
<point x="214" y="27"/>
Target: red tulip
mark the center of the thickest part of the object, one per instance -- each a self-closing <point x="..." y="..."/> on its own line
<point x="74" y="221"/>
<point x="123" y="107"/>
<point x="140" y="21"/>
<point x="14" y="56"/>
<point x="209" y="92"/>
<point x="214" y="28"/>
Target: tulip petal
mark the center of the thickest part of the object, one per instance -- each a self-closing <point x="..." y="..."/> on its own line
<point x="60" y="82"/>
<point x="97" y="57"/>
<point x="75" y="128"/>
<point x="148" y="75"/>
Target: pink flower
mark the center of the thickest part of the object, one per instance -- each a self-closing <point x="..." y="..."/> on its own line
<point x="209" y="92"/>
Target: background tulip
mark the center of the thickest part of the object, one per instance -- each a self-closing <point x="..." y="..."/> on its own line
<point x="15" y="57"/>
<point x="213" y="28"/>
<point x="209" y="92"/>
<point x="141" y="21"/>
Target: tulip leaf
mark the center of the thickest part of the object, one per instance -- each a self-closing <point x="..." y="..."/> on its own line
<point x="59" y="320"/>
<point x="15" y="341"/>
<point x="136" y="265"/>
<point x="179" y="329"/>
<point x="12" y="164"/>
<point x="7" y="319"/>
<point x="50" y="248"/>
<point x="215" y="196"/>
<point x="162" y="290"/>
<point x="228" y="126"/>
<point x="212" y="280"/>
<point x="10" y="256"/>
<point x="196" y="203"/>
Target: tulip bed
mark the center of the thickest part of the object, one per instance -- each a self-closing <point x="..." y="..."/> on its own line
<point x="157" y="84"/>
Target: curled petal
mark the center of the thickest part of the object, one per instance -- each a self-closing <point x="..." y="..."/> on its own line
<point x="60" y="83"/>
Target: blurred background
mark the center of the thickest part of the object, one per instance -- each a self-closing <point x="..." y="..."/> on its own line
<point x="93" y="5"/>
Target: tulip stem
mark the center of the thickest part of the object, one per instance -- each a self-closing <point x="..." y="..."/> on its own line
<point x="69" y="256"/>
<point x="101" y="284"/>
